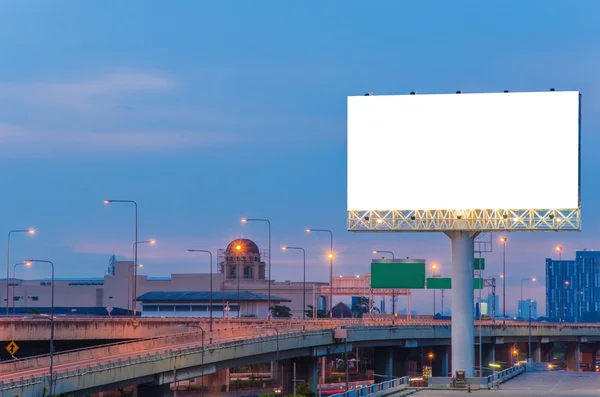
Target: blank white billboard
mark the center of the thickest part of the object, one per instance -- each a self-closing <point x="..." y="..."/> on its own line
<point x="463" y="151"/>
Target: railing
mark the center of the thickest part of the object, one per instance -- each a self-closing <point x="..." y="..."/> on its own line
<point x="42" y="378"/>
<point x="391" y="385"/>
<point x="504" y="375"/>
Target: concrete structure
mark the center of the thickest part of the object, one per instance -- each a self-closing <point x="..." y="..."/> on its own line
<point x="574" y="286"/>
<point x="115" y="289"/>
<point x="199" y="304"/>
<point x="105" y="368"/>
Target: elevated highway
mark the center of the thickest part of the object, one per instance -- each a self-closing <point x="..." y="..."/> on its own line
<point x="152" y="363"/>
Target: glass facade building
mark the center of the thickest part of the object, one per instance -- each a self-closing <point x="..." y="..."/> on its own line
<point x="573" y="288"/>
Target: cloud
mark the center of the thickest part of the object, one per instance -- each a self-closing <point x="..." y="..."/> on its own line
<point x="86" y="92"/>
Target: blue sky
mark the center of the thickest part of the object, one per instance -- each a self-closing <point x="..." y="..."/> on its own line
<point x="205" y="112"/>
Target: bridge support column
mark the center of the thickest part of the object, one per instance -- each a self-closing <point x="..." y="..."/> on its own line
<point x="439" y="363"/>
<point x="572" y="355"/>
<point x="156" y="391"/>
<point x="547" y="352"/>
<point x="536" y="352"/>
<point x="463" y="330"/>
<point x="488" y="356"/>
<point x="399" y="361"/>
<point x="306" y="370"/>
<point x="384" y="364"/>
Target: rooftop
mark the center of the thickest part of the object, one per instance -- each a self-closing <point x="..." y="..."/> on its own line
<point x="204" y="296"/>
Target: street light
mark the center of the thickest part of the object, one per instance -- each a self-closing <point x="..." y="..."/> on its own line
<point x="330" y="256"/>
<point x="29" y="231"/>
<point x="210" y="331"/>
<point x="246" y="220"/>
<point x="27" y="264"/>
<point x="430" y="355"/>
<point x="503" y="240"/>
<point x="393" y="290"/>
<point x="562" y="306"/>
<point x="129" y="299"/>
<point x="135" y="246"/>
<point x="559" y="249"/>
<point x="521" y="305"/>
<point x="303" y="282"/>
<point x="135" y="252"/>
<point x="435" y="273"/>
<point x="202" y="355"/>
<point x="51" y="316"/>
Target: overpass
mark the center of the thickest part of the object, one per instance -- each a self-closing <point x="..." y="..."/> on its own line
<point x="153" y="365"/>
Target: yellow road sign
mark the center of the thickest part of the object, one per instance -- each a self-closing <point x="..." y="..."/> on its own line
<point x="12" y="348"/>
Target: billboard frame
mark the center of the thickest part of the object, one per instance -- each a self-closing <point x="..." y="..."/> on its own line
<point x="525" y="220"/>
<point x="473" y="220"/>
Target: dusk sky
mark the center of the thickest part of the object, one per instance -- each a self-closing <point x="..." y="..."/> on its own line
<point x="205" y="112"/>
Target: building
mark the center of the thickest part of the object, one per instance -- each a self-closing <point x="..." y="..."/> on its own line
<point x="523" y="309"/>
<point x="115" y="290"/>
<point x="201" y="304"/>
<point x="573" y="287"/>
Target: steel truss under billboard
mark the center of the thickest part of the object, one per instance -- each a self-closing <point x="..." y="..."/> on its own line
<point x="468" y="220"/>
<point x="468" y="162"/>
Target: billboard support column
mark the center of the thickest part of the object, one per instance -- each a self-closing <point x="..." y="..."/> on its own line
<point x="463" y="330"/>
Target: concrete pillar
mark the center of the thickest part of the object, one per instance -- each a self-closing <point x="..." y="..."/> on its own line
<point x="384" y="364"/>
<point x="536" y="352"/>
<point x="463" y="331"/>
<point x="399" y="359"/>
<point x="306" y="370"/>
<point x="214" y="382"/>
<point x="547" y="352"/>
<point x="488" y="356"/>
<point x="572" y="355"/>
<point x="440" y="361"/>
<point x="156" y="390"/>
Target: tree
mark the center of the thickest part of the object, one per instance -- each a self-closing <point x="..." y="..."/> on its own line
<point x="309" y="312"/>
<point x="304" y="389"/>
<point x="361" y="306"/>
<point x="281" y="311"/>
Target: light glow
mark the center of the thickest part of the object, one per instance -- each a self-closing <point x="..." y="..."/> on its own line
<point x="424" y="150"/>
<point x="31" y="231"/>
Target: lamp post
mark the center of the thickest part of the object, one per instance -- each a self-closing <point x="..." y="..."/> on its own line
<point x="135" y="252"/>
<point x="521" y="305"/>
<point x="330" y="256"/>
<point x="51" y="317"/>
<point x="434" y="271"/>
<point x="27" y="264"/>
<point x="129" y="300"/>
<point x="245" y="220"/>
<point x="30" y="231"/>
<point x="202" y="356"/>
<point x="559" y="249"/>
<point x="562" y="306"/>
<point x="393" y="290"/>
<point x="134" y="248"/>
<point x="210" y="330"/>
<point x="277" y="347"/>
<point x="303" y="282"/>
<point x="503" y="240"/>
<point x="430" y="356"/>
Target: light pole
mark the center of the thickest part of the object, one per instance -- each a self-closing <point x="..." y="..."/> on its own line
<point x="330" y="256"/>
<point x="51" y="317"/>
<point x="393" y="290"/>
<point x="503" y="240"/>
<point x="30" y="231"/>
<point x="303" y="282"/>
<point x="134" y="247"/>
<point x="210" y="330"/>
<point x="521" y="305"/>
<point x="135" y="252"/>
<point x="129" y="300"/>
<point x="559" y="249"/>
<point x="245" y="220"/>
<point x="27" y="264"/>
<point x="202" y="355"/>
<point x="562" y="306"/>
<point x="434" y="270"/>
<point x="277" y="347"/>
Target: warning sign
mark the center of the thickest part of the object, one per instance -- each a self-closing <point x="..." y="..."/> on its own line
<point x="12" y="348"/>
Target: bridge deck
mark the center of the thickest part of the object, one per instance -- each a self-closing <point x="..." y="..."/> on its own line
<point x="550" y="383"/>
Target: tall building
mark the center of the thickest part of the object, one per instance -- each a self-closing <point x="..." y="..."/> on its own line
<point x="523" y="309"/>
<point x="573" y="287"/>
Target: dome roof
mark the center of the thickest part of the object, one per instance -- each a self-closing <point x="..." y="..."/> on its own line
<point x="246" y="247"/>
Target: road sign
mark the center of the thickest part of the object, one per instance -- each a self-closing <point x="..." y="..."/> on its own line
<point x="12" y="348"/>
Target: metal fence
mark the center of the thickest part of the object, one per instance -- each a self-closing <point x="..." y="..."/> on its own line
<point x="389" y="385"/>
<point x="494" y="380"/>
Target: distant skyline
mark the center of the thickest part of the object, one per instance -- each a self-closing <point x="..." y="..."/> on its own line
<point x="207" y="112"/>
